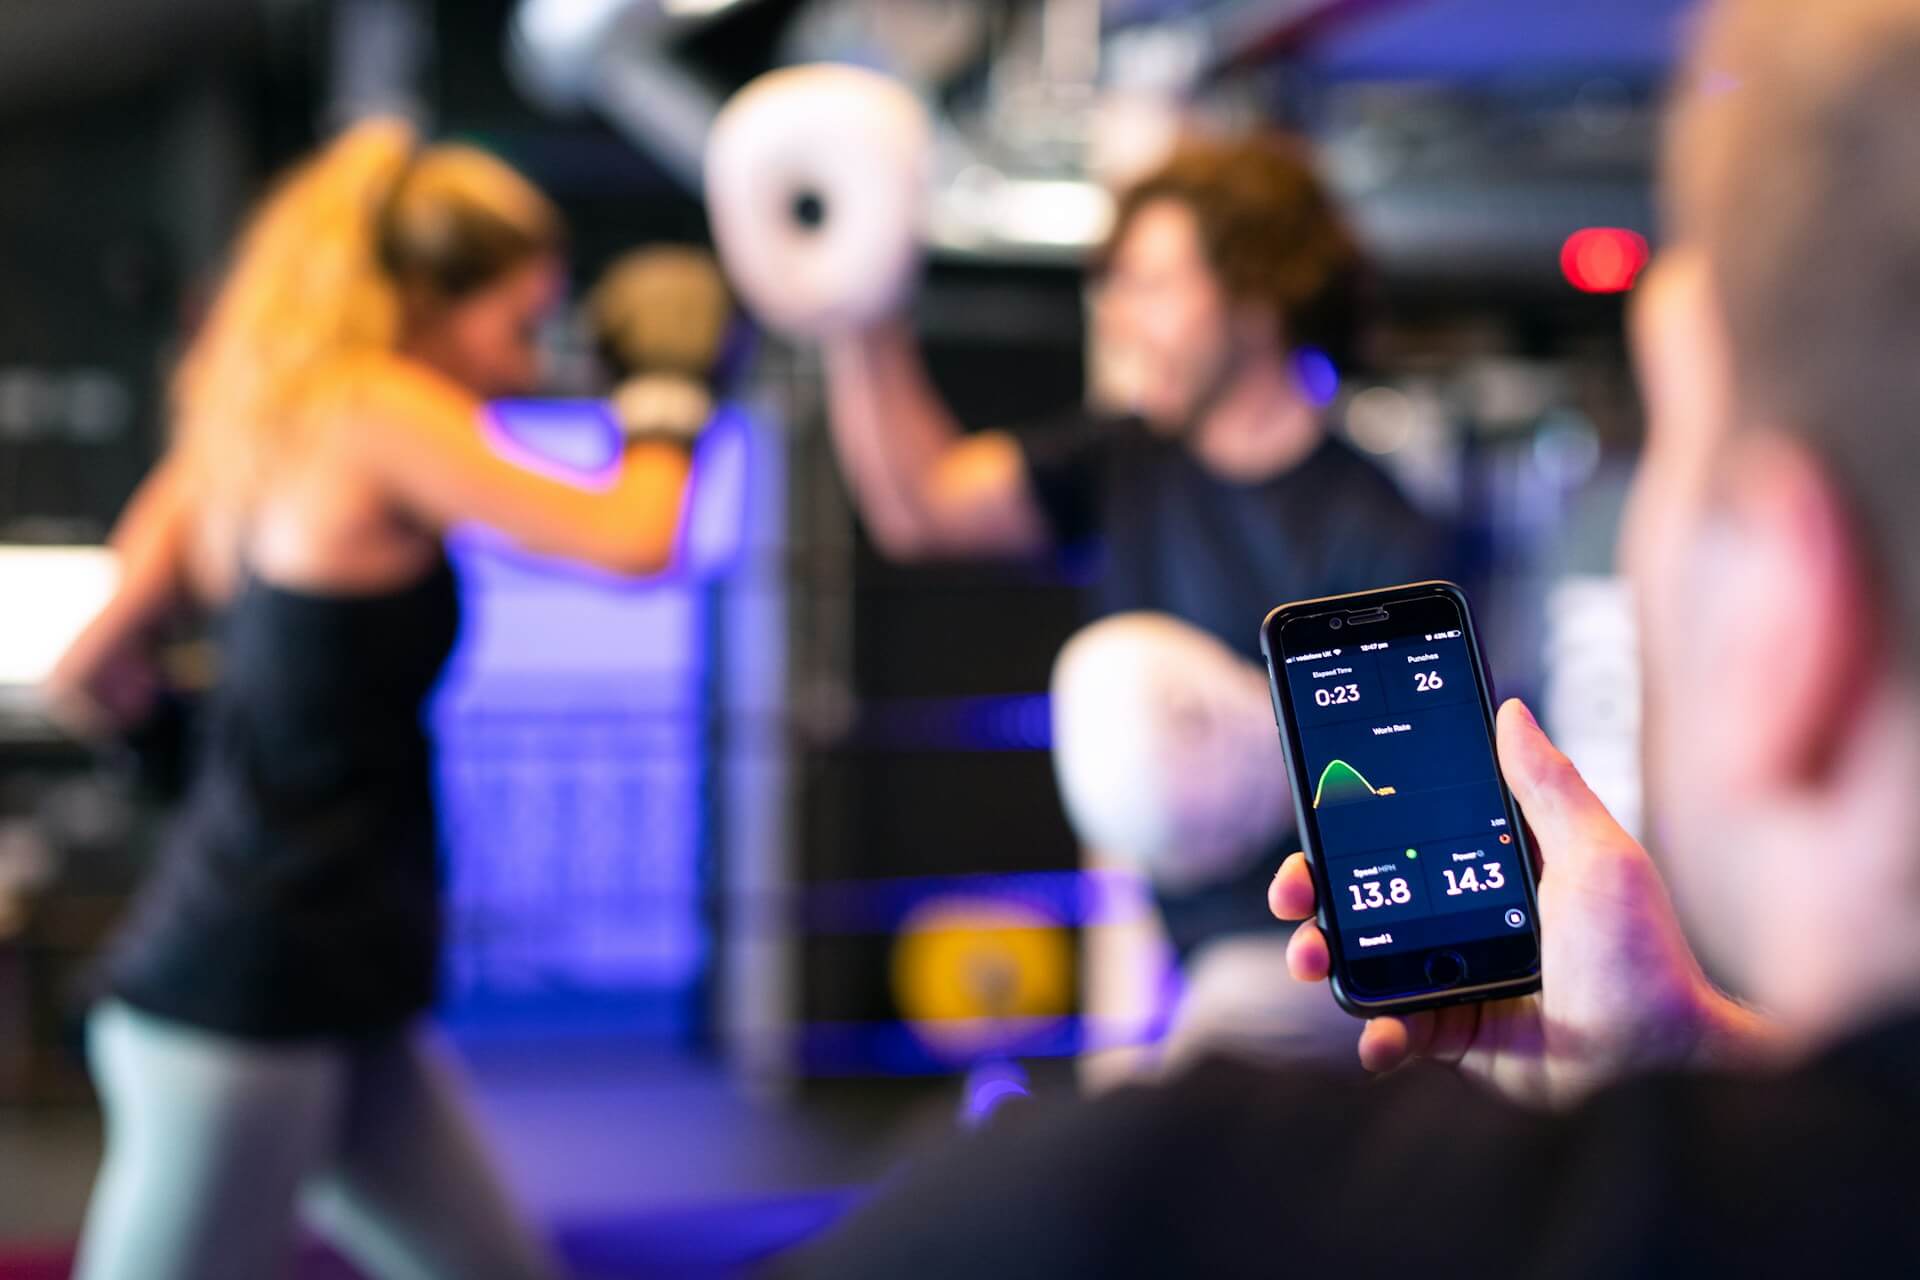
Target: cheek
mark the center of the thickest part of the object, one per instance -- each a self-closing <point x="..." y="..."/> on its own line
<point x="500" y="346"/>
<point x="1191" y="323"/>
<point x="1705" y="895"/>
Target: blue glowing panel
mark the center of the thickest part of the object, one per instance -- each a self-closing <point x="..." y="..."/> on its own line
<point x="573" y="766"/>
<point x="1474" y="38"/>
<point x="713" y="528"/>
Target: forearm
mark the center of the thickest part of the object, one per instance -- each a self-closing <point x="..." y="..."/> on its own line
<point x="638" y="519"/>
<point x="889" y="429"/>
<point x="105" y="679"/>
<point x="105" y="682"/>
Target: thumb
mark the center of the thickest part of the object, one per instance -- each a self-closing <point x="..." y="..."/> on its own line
<point x="1565" y="815"/>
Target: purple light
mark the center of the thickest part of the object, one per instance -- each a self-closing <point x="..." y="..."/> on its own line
<point x="988" y="1087"/>
<point x="578" y="442"/>
<point x="1072" y="898"/>
<point x="1318" y="378"/>
<point x="844" y="1049"/>
<point x="993" y="722"/>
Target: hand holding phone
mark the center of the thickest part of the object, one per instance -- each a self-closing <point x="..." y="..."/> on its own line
<point x="1423" y="875"/>
<point x="1621" y="992"/>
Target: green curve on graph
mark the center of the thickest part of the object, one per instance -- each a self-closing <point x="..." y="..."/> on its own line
<point x="1343" y="778"/>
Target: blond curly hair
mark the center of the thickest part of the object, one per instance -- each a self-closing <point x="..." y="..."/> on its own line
<point x="321" y="278"/>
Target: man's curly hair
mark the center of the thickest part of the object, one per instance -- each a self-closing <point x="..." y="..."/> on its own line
<point x="1270" y="229"/>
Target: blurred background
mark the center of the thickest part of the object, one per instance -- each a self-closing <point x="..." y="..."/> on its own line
<point x="708" y="838"/>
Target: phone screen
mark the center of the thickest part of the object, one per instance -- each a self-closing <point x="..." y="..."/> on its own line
<point x="1426" y="873"/>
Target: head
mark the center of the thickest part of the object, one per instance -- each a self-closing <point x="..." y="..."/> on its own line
<point x="474" y="252"/>
<point x="1228" y="256"/>
<point x="1774" y="535"/>
<point x="374" y="245"/>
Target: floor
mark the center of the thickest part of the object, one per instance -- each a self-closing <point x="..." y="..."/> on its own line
<point x="641" y="1162"/>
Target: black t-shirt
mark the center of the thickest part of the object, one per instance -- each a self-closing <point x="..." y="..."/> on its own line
<point x="1235" y="1171"/>
<point x="1219" y="554"/>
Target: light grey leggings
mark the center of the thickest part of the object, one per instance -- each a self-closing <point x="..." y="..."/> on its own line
<point x="212" y="1142"/>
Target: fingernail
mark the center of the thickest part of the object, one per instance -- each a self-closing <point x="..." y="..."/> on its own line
<point x="1527" y="711"/>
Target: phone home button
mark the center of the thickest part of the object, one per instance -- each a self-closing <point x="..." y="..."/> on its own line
<point x="1446" y="969"/>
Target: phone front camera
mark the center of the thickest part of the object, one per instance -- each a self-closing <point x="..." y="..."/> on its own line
<point x="1335" y="623"/>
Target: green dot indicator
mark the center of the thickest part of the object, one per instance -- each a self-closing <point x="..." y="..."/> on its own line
<point x="1413" y="853"/>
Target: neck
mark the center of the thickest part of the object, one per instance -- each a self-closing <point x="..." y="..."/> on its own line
<point x="1261" y="424"/>
<point x="426" y="354"/>
<point x="1843" y="950"/>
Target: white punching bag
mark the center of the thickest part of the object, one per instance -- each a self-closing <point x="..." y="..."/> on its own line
<point x="817" y="180"/>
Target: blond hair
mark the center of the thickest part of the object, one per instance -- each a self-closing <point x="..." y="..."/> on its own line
<point x="320" y="279"/>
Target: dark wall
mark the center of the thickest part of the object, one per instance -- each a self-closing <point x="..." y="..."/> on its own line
<point x="899" y="796"/>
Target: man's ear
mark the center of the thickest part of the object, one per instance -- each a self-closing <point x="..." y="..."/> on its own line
<point x="1790" y="630"/>
<point x="1680" y="362"/>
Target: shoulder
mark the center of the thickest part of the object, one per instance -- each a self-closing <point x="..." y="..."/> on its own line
<point x="1765" y="1172"/>
<point x="1337" y="463"/>
<point x="1197" y="1176"/>
<point x="1365" y="508"/>
<point x="1231" y="1170"/>
<point x="386" y="384"/>
<point x="388" y="409"/>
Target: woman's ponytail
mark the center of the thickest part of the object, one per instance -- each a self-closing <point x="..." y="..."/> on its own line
<point x="305" y="292"/>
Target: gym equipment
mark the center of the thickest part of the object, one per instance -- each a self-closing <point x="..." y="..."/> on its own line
<point x="1165" y="749"/>
<point x="817" y="180"/>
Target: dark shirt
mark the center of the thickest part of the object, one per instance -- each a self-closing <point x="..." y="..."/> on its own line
<point x="1235" y="1171"/>
<point x="1219" y="554"/>
<point x="298" y="890"/>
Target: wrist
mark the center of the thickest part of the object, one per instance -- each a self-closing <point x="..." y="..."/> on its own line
<point x="1730" y="1036"/>
<point x="662" y="408"/>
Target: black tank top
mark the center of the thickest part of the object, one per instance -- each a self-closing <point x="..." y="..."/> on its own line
<point x="298" y="892"/>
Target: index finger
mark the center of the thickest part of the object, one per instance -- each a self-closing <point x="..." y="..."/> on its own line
<point x="1290" y="896"/>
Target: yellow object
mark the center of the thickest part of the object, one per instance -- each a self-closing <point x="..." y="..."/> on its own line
<point x="972" y="974"/>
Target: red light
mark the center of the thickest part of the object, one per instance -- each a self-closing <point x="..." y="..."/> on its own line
<point x="1603" y="259"/>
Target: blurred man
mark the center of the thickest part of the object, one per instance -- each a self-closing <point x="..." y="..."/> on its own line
<point x="1775" y="549"/>
<point x="1210" y="477"/>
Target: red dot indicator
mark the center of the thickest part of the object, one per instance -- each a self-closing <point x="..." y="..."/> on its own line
<point x="1603" y="259"/>
<point x="1505" y="838"/>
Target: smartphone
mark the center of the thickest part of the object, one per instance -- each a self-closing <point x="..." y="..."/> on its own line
<point x="1421" y="866"/>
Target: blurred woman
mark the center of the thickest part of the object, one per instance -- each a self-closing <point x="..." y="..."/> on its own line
<point x="261" y="1042"/>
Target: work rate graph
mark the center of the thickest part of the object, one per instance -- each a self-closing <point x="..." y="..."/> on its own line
<point x="1396" y="744"/>
<point x="1402" y="780"/>
<point x="1341" y="783"/>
